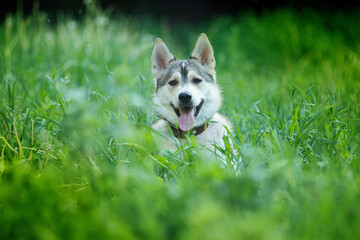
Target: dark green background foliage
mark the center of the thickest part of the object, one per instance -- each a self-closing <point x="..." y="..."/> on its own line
<point x="78" y="161"/>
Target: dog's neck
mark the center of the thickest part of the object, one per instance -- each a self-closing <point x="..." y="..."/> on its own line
<point x="178" y="133"/>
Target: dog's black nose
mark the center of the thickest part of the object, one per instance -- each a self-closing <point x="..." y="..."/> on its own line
<point x="185" y="98"/>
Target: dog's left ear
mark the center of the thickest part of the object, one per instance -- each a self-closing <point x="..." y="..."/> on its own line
<point x="204" y="53"/>
<point x="161" y="57"/>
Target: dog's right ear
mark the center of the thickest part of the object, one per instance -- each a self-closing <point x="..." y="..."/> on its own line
<point x="204" y="53"/>
<point x="161" y="57"/>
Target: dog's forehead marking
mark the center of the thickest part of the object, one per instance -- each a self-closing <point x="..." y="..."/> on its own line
<point x="184" y="72"/>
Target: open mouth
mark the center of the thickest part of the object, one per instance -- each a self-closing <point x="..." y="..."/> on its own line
<point x="187" y="115"/>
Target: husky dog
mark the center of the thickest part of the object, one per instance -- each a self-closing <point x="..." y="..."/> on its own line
<point x="187" y="97"/>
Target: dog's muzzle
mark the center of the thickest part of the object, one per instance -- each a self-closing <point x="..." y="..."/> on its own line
<point x="187" y="111"/>
<point x="197" y="109"/>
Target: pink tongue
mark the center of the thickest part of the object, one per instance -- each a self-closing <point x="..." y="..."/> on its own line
<point x="186" y="119"/>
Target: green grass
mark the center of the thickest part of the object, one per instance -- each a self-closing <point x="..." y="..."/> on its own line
<point x="78" y="161"/>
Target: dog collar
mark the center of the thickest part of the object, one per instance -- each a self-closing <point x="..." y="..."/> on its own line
<point x="178" y="133"/>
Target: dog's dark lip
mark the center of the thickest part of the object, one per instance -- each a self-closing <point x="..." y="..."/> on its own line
<point x="176" y="110"/>
<point x="197" y="110"/>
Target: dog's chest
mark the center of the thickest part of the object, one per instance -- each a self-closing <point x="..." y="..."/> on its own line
<point x="212" y="135"/>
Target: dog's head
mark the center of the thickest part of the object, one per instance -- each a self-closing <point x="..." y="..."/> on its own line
<point x="186" y="92"/>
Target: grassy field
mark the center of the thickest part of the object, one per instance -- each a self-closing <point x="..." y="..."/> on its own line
<point x="78" y="161"/>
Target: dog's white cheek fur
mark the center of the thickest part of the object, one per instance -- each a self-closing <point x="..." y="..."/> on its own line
<point x="162" y="107"/>
<point x="212" y="103"/>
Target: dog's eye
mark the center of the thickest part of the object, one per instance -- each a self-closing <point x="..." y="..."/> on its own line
<point x="173" y="83"/>
<point x="197" y="80"/>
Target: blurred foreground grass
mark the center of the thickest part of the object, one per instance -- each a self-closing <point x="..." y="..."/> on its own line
<point x="77" y="160"/>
